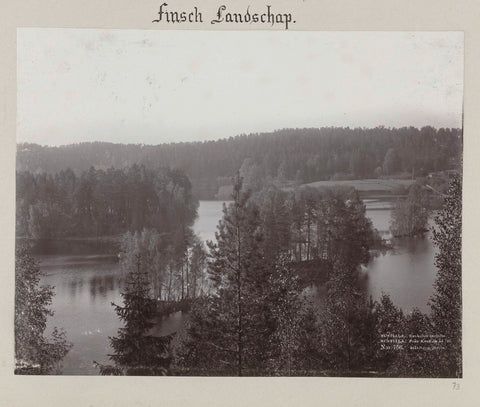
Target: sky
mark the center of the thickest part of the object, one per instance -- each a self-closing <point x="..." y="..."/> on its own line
<point x="152" y="87"/>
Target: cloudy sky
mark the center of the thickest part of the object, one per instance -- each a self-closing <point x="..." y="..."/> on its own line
<point x="133" y="86"/>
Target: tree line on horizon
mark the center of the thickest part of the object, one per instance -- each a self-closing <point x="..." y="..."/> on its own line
<point x="301" y="155"/>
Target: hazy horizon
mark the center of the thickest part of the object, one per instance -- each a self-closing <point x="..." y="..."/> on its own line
<point x="219" y="139"/>
<point x="157" y="87"/>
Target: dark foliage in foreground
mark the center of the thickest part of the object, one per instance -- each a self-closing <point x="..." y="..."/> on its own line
<point x="446" y="302"/>
<point x="35" y="353"/>
<point x="258" y="321"/>
<point x="136" y="353"/>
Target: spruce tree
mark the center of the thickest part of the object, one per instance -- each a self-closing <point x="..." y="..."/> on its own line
<point x="137" y="352"/>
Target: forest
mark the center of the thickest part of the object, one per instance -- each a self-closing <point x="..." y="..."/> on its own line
<point x="248" y="292"/>
<point x="101" y="203"/>
<point x="249" y="312"/>
<point x="301" y="155"/>
<point x="254" y="318"/>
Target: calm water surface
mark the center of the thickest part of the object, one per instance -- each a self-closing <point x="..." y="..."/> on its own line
<point x="86" y="285"/>
<point x="407" y="272"/>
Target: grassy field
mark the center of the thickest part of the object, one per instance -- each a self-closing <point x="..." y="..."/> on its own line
<point x="365" y="185"/>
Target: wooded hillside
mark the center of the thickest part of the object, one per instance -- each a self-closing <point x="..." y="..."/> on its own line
<point x="304" y="155"/>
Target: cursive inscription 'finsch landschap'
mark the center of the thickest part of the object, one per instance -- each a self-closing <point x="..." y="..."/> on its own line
<point x="223" y="15"/>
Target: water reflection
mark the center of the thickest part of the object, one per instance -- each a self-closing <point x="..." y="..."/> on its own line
<point x="407" y="273"/>
<point x="100" y="285"/>
<point x="82" y="305"/>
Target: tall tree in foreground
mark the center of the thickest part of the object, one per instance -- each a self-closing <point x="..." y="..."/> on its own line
<point x="232" y="326"/>
<point x="136" y="352"/>
<point x="348" y="323"/>
<point x="446" y="302"/>
<point x="286" y="312"/>
<point x="238" y="272"/>
<point x="34" y="353"/>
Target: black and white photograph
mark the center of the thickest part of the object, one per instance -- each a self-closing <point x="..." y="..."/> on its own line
<point x="239" y="203"/>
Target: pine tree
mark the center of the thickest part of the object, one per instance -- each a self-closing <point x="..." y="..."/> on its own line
<point x="34" y="353"/>
<point x="237" y="268"/>
<point x="232" y="326"/>
<point x="137" y="352"/>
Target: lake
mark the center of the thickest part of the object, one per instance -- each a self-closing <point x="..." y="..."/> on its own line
<point x="87" y="283"/>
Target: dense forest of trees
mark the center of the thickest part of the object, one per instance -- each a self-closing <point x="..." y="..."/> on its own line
<point x="98" y="203"/>
<point x="303" y="155"/>
<point x="312" y="224"/>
